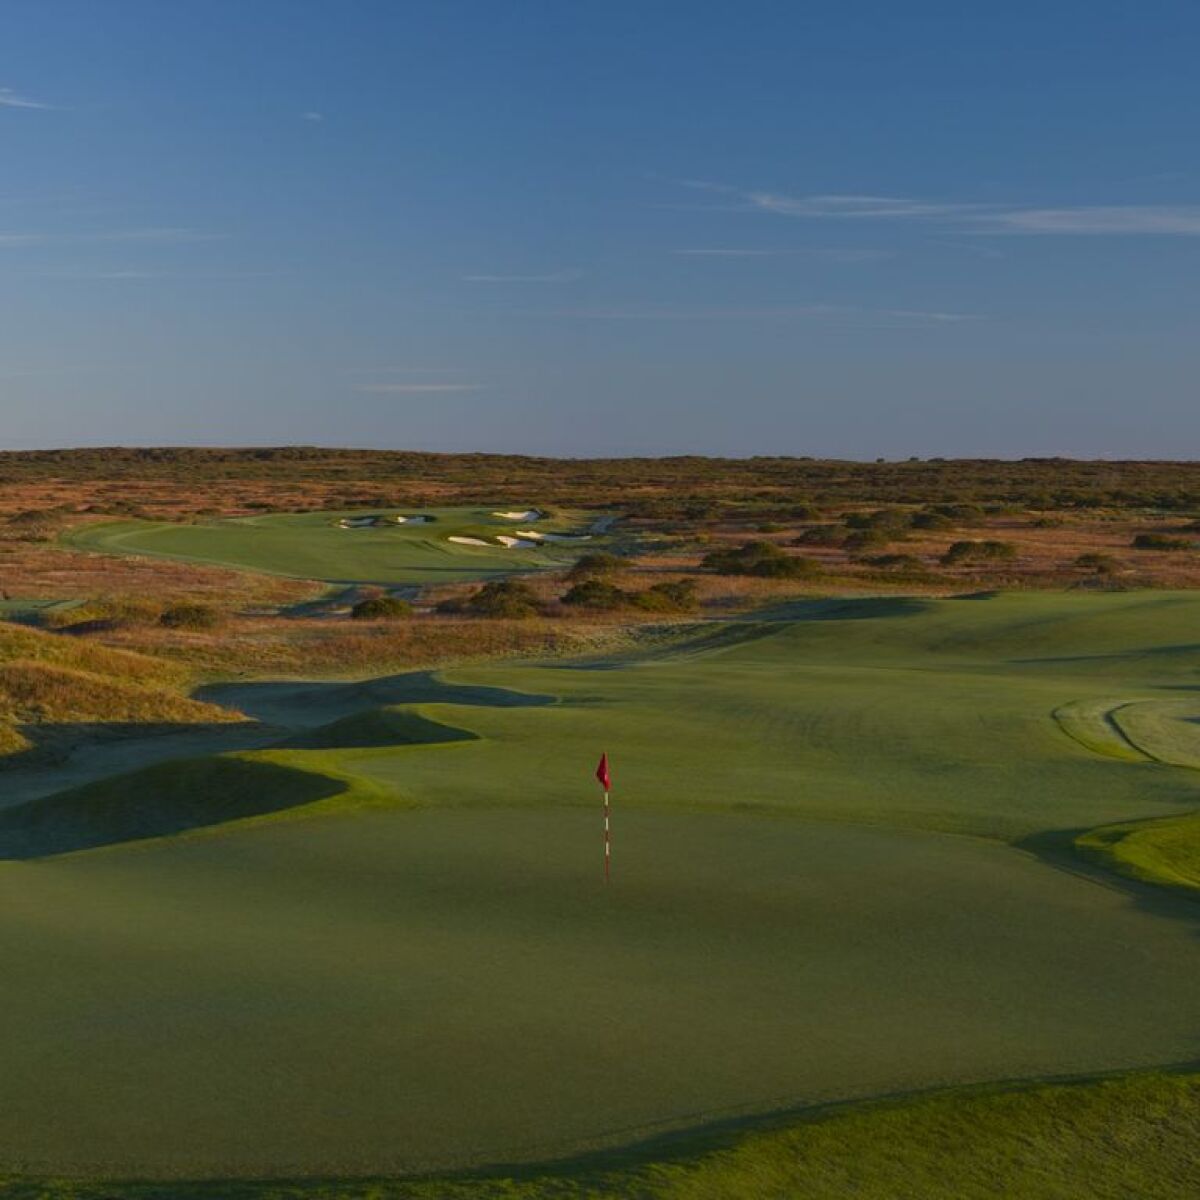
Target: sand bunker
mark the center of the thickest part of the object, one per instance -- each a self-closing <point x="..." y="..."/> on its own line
<point x="467" y="541"/>
<point x="375" y="521"/>
<point x="553" y="537"/>
<point x="516" y="543"/>
<point x="531" y="514"/>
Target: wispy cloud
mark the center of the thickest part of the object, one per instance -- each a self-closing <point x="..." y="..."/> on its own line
<point x="407" y="389"/>
<point x="1177" y="220"/>
<point x="549" y="277"/>
<point x="827" y="314"/>
<point x="11" y="99"/>
<point x="312" y="115"/>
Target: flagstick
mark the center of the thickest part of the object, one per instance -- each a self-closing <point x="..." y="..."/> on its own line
<point x="607" y="844"/>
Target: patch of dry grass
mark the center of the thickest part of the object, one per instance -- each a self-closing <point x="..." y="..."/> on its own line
<point x="48" y="680"/>
<point x="338" y="647"/>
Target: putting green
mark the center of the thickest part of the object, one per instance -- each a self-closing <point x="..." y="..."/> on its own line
<point x="317" y="546"/>
<point x="818" y="894"/>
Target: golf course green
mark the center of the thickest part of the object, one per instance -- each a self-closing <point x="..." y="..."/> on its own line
<point x="328" y="545"/>
<point x="843" y="868"/>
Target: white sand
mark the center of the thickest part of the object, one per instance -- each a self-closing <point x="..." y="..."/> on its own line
<point x="466" y="541"/>
<point x="554" y="537"/>
<point x="531" y="514"/>
<point x="516" y="543"/>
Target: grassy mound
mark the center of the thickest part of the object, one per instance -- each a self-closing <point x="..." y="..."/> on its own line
<point x="1107" y="1140"/>
<point x="53" y="690"/>
<point x="165" y="799"/>
<point x="34" y="645"/>
<point x="377" y="727"/>
<point x="1165" y="852"/>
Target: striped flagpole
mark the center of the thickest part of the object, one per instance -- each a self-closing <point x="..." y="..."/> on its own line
<point x="607" y="841"/>
<point x="604" y="778"/>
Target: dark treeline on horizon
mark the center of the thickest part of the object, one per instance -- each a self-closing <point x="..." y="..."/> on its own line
<point x="649" y="483"/>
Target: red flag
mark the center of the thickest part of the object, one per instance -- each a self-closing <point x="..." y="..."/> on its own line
<point x="603" y="775"/>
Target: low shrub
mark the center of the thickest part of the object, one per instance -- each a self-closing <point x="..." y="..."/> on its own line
<point x="821" y="535"/>
<point x="502" y="598"/>
<point x="1099" y="564"/>
<point x="931" y="521"/>
<point x="1160" y="541"/>
<point x="896" y="562"/>
<point x="596" y="594"/>
<point x="891" y="521"/>
<point x="865" y="539"/>
<point x="978" y="551"/>
<point x="596" y="564"/>
<point x="679" y="595"/>
<point x="381" y="608"/>
<point x="190" y="615"/>
<point x="762" y="559"/>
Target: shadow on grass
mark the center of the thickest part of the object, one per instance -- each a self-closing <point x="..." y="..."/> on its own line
<point x="169" y="798"/>
<point x="854" y="608"/>
<point x="377" y="727"/>
<point x="1058" y="848"/>
<point x="612" y="1171"/>
<point x="53" y="742"/>
<point x="308" y="703"/>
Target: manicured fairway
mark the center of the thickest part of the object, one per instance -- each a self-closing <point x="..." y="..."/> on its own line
<point x="315" y="546"/>
<point x="819" y="893"/>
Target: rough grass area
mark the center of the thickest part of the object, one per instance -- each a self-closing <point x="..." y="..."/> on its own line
<point x="56" y="690"/>
<point x="1107" y="1140"/>
<point x="315" y="647"/>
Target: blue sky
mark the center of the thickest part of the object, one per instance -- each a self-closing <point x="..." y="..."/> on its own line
<point x="851" y="229"/>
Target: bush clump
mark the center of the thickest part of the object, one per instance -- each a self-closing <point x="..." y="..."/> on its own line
<point x="890" y="521"/>
<point x="678" y="595"/>
<point x="190" y="615"/>
<point x="930" y="520"/>
<point x="978" y="551"/>
<point x="866" y="539"/>
<point x="597" y="564"/>
<point x="763" y="559"/>
<point x="896" y="562"/>
<point x="501" y="598"/>
<point x="381" y="608"/>
<point x="596" y="594"/>
<point x="1160" y="541"/>
<point x="1098" y="564"/>
<point x="820" y="535"/>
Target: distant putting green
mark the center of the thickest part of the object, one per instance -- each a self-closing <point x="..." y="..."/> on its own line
<point x="386" y="945"/>
<point x="430" y="545"/>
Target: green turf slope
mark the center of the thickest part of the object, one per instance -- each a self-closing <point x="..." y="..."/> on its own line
<point x="819" y="895"/>
<point x="1111" y="1139"/>
<point x="314" y="546"/>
